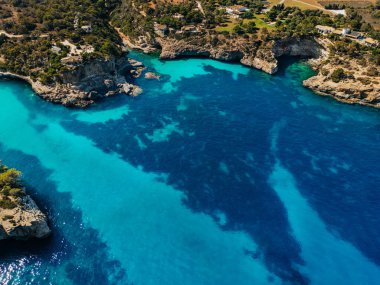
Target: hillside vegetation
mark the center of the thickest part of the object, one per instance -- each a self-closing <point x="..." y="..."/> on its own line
<point x="41" y="24"/>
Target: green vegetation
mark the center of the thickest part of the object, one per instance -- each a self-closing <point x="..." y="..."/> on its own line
<point x="44" y="22"/>
<point x="10" y="187"/>
<point x="245" y="26"/>
<point x="337" y="75"/>
<point x="291" y="22"/>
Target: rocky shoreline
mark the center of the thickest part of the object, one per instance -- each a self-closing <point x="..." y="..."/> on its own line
<point x="20" y="218"/>
<point x="360" y="84"/>
<point x="25" y="221"/>
<point x="358" y="89"/>
<point x="347" y="91"/>
<point x="85" y="82"/>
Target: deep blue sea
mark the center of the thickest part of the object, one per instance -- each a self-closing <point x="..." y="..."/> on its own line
<point x="216" y="174"/>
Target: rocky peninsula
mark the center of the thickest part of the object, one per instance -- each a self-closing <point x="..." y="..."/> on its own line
<point x="75" y="58"/>
<point x="20" y="217"/>
<point x="83" y="83"/>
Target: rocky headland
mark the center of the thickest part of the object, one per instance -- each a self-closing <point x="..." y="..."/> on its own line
<point x="20" y="217"/>
<point x="84" y="82"/>
<point x="25" y="221"/>
<point x="350" y="81"/>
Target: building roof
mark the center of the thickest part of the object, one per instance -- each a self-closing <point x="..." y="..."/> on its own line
<point x="355" y="34"/>
<point x="325" y="28"/>
<point x="237" y="7"/>
<point x="371" y="41"/>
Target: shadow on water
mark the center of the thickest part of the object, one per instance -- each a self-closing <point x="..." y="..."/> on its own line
<point x="215" y="175"/>
<point x="77" y="247"/>
<point x="339" y="177"/>
<point x="286" y="61"/>
<point x="222" y="163"/>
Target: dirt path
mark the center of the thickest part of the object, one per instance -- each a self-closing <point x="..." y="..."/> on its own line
<point x="201" y="8"/>
<point x="10" y="35"/>
<point x="308" y="4"/>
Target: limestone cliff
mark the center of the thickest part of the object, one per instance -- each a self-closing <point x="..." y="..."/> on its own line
<point x="357" y="84"/>
<point x="263" y="56"/>
<point x="85" y="81"/>
<point x="201" y="46"/>
<point x="24" y="221"/>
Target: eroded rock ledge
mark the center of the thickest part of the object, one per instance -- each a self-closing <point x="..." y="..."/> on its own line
<point x="257" y="55"/>
<point x="20" y="217"/>
<point x="85" y="82"/>
<point x="357" y="83"/>
<point x="24" y="221"/>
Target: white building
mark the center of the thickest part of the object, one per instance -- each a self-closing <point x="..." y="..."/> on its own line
<point x="236" y="9"/>
<point x="87" y="29"/>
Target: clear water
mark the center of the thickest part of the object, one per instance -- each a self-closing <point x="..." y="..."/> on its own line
<point x="217" y="174"/>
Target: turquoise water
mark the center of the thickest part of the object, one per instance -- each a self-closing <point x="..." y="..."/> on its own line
<point x="217" y="174"/>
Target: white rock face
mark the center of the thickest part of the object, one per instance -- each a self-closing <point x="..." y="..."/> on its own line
<point x="23" y="222"/>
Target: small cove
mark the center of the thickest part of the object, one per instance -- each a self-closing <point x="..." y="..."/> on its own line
<point x="183" y="183"/>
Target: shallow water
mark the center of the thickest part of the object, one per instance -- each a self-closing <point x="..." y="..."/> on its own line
<point x="217" y="174"/>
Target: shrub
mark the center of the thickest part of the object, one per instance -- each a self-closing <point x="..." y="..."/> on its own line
<point x="7" y="217"/>
<point x="7" y="203"/>
<point x="337" y="75"/>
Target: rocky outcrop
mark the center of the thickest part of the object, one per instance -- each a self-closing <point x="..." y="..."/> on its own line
<point x="267" y="56"/>
<point x="254" y="54"/>
<point x="264" y="60"/>
<point x="359" y="83"/>
<point x="24" y="221"/>
<point x="84" y="82"/>
<point x="151" y="75"/>
<point x="307" y="47"/>
<point x="348" y="91"/>
<point x="200" y="46"/>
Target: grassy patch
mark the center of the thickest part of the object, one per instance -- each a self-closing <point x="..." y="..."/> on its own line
<point x="258" y="20"/>
<point x="227" y="27"/>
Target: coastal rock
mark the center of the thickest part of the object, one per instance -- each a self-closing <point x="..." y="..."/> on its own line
<point x="263" y="60"/>
<point x="24" y="221"/>
<point x="126" y="88"/>
<point x="199" y="47"/>
<point x="358" y="84"/>
<point x="307" y="47"/>
<point x="151" y="75"/>
<point x="264" y="57"/>
<point x="84" y="82"/>
<point x="348" y="91"/>
<point x="136" y="91"/>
